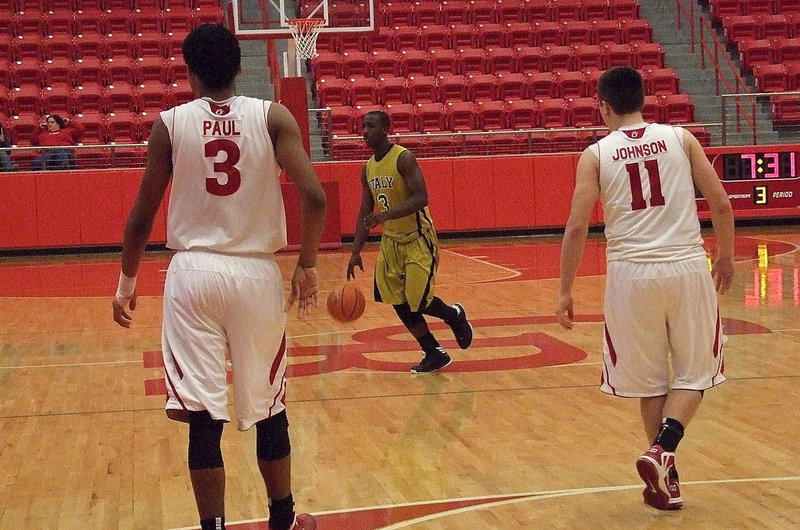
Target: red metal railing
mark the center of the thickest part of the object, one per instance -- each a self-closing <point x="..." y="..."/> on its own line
<point x="714" y="51"/>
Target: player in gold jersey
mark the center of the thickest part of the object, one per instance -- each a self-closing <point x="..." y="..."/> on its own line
<point x="405" y="271"/>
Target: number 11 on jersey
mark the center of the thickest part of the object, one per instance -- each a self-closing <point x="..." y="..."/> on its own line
<point x="635" y="177"/>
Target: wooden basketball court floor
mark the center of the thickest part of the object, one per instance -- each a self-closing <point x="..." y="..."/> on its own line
<point x="514" y="434"/>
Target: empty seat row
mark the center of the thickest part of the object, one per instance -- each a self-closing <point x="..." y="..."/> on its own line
<point x="18" y="6"/>
<point x="481" y="87"/>
<point x="91" y="70"/>
<point x="743" y="27"/>
<point x="759" y="52"/>
<point x="502" y="35"/>
<point x="85" y="46"/>
<point x="786" y="110"/>
<point x="491" y="60"/>
<point x="93" y="97"/>
<point x="29" y="23"/>
<point x="777" y="77"/>
<point x="489" y="11"/>
<point x="723" y="8"/>
<point x="460" y="116"/>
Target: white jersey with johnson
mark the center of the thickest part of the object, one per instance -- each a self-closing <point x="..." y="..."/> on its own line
<point x="648" y="195"/>
<point x="226" y="194"/>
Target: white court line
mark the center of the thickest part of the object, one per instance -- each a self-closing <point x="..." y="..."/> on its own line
<point x="67" y="365"/>
<point x="513" y="273"/>
<point x="566" y="493"/>
<point x="513" y="498"/>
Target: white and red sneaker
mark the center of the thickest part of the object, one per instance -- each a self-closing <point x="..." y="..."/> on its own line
<point x="304" y="521"/>
<point x="657" y="469"/>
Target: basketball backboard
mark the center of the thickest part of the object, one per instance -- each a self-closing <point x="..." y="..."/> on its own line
<point x="269" y="19"/>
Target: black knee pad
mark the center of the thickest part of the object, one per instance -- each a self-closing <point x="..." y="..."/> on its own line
<point x="205" y="434"/>
<point x="272" y="437"/>
<point x="410" y="319"/>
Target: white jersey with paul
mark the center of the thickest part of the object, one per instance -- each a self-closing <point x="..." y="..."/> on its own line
<point x="648" y="195"/>
<point x="226" y="194"/>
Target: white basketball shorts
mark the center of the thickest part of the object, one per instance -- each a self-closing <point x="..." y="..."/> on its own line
<point x="659" y="314"/>
<point x="218" y="306"/>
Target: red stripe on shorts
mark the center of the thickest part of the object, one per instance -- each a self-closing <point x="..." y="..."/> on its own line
<point x="716" y="336"/>
<point x="611" y="351"/>
<point x="277" y="362"/>
<point x="174" y="390"/>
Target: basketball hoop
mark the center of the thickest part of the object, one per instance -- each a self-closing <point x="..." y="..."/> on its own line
<point x="305" y="32"/>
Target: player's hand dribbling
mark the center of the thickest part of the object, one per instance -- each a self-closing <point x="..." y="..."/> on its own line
<point x="355" y="261"/>
<point x="722" y="272"/>
<point x="564" y="311"/>
<point x="304" y="289"/>
<point x="121" y="312"/>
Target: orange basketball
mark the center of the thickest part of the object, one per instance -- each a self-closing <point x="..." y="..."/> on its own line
<point x="346" y="303"/>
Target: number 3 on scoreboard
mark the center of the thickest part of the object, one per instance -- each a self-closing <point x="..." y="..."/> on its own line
<point x="760" y="194"/>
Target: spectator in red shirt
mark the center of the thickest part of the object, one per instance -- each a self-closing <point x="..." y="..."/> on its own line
<point x="56" y="131"/>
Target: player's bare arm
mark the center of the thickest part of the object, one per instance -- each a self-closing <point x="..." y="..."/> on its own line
<point x="409" y="169"/>
<point x="707" y="181"/>
<point x="587" y="191"/>
<point x="140" y="221"/>
<point x="361" y="229"/>
<point x="293" y="159"/>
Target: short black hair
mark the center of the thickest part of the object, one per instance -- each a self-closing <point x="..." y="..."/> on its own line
<point x="59" y="120"/>
<point x="622" y="88"/>
<point x="383" y="118"/>
<point x="212" y="53"/>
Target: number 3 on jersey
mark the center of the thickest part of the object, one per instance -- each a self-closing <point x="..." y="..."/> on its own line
<point x="384" y="200"/>
<point x="635" y="177"/>
<point x="226" y="166"/>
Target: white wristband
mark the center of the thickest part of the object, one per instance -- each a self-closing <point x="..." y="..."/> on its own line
<point x="125" y="289"/>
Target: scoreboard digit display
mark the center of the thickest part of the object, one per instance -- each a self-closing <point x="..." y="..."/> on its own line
<point x="761" y="181"/>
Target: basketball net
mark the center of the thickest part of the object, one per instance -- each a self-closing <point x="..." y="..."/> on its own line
<point x="305" y="32"/>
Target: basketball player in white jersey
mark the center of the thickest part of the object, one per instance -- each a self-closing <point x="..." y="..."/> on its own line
<point x="660" y="302"/>
<point x="224" y="292"/>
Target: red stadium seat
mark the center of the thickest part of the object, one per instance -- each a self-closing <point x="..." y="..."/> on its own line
<point x="431" y="117"/>
<point x="22" y="128"/>
<point x="172" y="43"/>
<point x="120" y="98"/>
<point x="786" y="110"/>
<point x="327" y="64"/>
<point x="501" y="60"/>
<point x="182" y="93"/>
<point x="462" y="116"/>
<point x="59" y="47"/>
<point x="153" y="98"/>
<point x="529" y="59"/>
<point x="414" y="62"/>
<point x="392" y="90"/>
<point x="773" y="26"/>
<point x="771" y="78"/>
<point x="492" y="115"/>
<point x="432" y="37"/>
<point x="90" y="70"/>
<point x="471" y="61"/>
<point x="636" y="30"/>
<point x="385" y="63"/>
<point x="548" y="34"/>
<point x="333" y="91"/>
<point x="28" y="47"/>
<point x="89" y="46"/>
<point x="90" y="97"/>
<point x="620" y="55"/>
<point x="422" y="89"/>
<point x="510" y="12"/>
<point x="120" y="71"/>
<point x="558" y="58"/>
<point x="363" y="91"/>
<point x="427" y="13"/>
<point x="464" y="37"/>
<point x="455" y="12"/>
<point x="595" y="10"/>
<point x="59" y="71"/>
<point x="648" y="55"/>
<point x="403" y="117"/>
<point x="444" y="61"/>
<point x="481" y="87"/>
<point x="606" y="32"/>
<point x="451" y="88"/>
<point x="541" y="85"/>
<point x="177" y="70"/>
<point x="787" y="51"/>
<point x="755" y="52"/>
<point x="124" y="128"/>
<point x="590" y="80"/>
<point x="382" y="40"/>
<point x="492" y="36"/>
<point x="553" y="113"/>
<point x="523" y="114"/>
<point x="151" y="70"/>
<point x="356" y="64"/>
<point x="583" y="112"/>
<point x="94" y="127"/>
<point x="567" y="10"/>
<point x="661" y="81"/>
<point x="739" y="28"/>
<point x="149" y="43"/>
<point x="27" y="99"/>
<point x="570" y="84"/>
<point x="146" y="20"/>
<point x="27" y="72"/>
<point x="519" y="34"/>
<point x="90" y="22"/>
<point x="624" y="9"/>
<point x="396" y="14"/>
<point x="651" y="111"/>
<point x="342" y="123"/>
<point x="678" y="108"/>
<point x="28" y="23"/>
<point x="482" y="12"/>
<point x="59" y="99"/>
<point x="60" y="22"/>
<point x="576" y="32"/>
<point x="512" y="86"/>
<point x="122" y="46"/>
<point x="119" y="21"/>
<point x="588" y="56"/>
<point x="407" y="38"/>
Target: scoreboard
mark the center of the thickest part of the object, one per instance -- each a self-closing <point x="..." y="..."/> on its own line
<point x="761" y="181"/>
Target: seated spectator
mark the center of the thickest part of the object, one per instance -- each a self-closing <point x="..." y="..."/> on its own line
<point x="5" y="155"/>
<point x="56" y="131"/>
